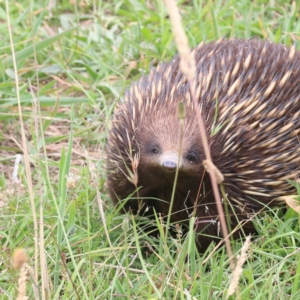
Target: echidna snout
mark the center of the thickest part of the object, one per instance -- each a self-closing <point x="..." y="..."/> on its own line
<point x="170" y="160"/>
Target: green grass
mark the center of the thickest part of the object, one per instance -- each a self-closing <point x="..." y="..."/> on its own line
<point x="74" y="63"/>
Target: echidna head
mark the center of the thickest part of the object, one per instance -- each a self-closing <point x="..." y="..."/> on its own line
<point x="167" y="144"/>
<point x="170" y="156"/>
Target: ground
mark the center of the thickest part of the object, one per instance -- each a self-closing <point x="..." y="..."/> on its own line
<point x="73" y="61"/>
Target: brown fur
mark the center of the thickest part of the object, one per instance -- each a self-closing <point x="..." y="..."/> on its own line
<point x="249" y="94"/>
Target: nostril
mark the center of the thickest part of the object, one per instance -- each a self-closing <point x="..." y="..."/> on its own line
<point x="169" y="165"/>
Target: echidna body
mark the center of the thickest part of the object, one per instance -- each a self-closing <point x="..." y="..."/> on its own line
<point x="249" y="95"/>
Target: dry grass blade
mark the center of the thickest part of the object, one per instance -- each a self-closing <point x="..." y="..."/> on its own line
<point x="20" y="263"/>
<point x="188" y="67"/>
<point x="238" y="268"/>
<point x="292" y="202"/>
<point x="24" y="144"/>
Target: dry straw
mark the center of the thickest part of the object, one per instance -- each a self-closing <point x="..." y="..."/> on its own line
<point x="24" y="144"/>
<point x="238" y="268"/>
<point x="188" y="68"/>
<point x="20" y="263"/>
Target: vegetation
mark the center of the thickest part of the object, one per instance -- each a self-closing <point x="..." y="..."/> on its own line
<point x="64" y="70"/>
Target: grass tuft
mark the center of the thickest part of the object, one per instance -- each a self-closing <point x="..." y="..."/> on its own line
<point x="63" y="68"/>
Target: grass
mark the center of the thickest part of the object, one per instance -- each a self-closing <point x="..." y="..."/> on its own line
<point x="74" y="61"/>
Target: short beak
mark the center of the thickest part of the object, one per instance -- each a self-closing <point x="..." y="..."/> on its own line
<point x="169" y="160"/>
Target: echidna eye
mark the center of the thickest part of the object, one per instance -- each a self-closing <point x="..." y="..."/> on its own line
<point x="192" y="157"/>
<point x="153" y="149"/>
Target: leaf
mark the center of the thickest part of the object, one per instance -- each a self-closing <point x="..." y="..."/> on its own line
<point x="28" y="51"/>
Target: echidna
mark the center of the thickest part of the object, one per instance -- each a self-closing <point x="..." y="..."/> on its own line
<point x="249" y="95"/>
